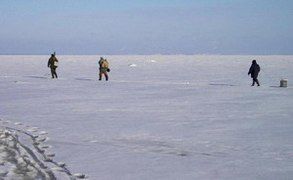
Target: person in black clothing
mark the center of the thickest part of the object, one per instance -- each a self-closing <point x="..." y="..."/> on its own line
<point x="253" y="71"/>
<point x="53" y="64"/>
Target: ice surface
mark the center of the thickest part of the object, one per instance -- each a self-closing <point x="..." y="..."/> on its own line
<point x="167" y="117"/>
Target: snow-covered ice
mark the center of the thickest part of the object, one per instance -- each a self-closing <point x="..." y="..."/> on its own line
<point x="170" y="117"/>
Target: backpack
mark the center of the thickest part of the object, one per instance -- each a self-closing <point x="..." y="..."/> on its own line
<point x="55" y="63"/>
<point x="104" y="64"/>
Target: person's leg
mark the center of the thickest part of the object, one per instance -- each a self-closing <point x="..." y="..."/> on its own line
<point x="253" y="81"/>
<point x="55" y="73"/>
<point x="100" y="76"/>
<point x="257" y="82"/>
<point x="52" y="72"/>
<point x="106" y="76"/>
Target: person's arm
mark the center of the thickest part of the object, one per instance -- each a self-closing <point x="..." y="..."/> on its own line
<point x="250" y="70"/>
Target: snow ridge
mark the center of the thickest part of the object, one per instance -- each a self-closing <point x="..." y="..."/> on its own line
<point x="29" y="160"/>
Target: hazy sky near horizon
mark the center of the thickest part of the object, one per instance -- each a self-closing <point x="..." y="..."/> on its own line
<point x="146" y="26"/>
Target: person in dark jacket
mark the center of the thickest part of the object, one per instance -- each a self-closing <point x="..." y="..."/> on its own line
<point x="53" y="64"/>
<point x="253" y="71"/>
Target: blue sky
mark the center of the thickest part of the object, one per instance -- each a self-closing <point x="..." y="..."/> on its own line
<point x="146" y="26"/>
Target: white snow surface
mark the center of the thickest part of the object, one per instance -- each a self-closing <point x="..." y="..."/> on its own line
<point x="182" y="117"/>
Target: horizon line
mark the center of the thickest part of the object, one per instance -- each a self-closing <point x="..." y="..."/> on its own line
<point x="148" y="54"/>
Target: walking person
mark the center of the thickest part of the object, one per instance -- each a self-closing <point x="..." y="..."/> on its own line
<point x="53" y="64"/>
<point x="104" y="68"/>
<point x="253" y="71"/>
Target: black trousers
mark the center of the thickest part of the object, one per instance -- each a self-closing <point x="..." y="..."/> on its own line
<point x="255" y="80"/>
<point x="105" y="74"/>
<point x="53" y="73"/>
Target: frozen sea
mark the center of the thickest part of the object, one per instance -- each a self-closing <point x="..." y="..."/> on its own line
<point x="158" y="117"/>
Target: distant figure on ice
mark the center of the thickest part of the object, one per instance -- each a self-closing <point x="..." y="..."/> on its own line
<point x="253" y="71"/>
<point x="53" y="64"/>
<point x="104" y="68"/>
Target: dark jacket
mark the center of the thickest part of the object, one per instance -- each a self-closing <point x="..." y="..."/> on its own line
<point x="254" y="70"/>
<point x="53" y="62"/>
